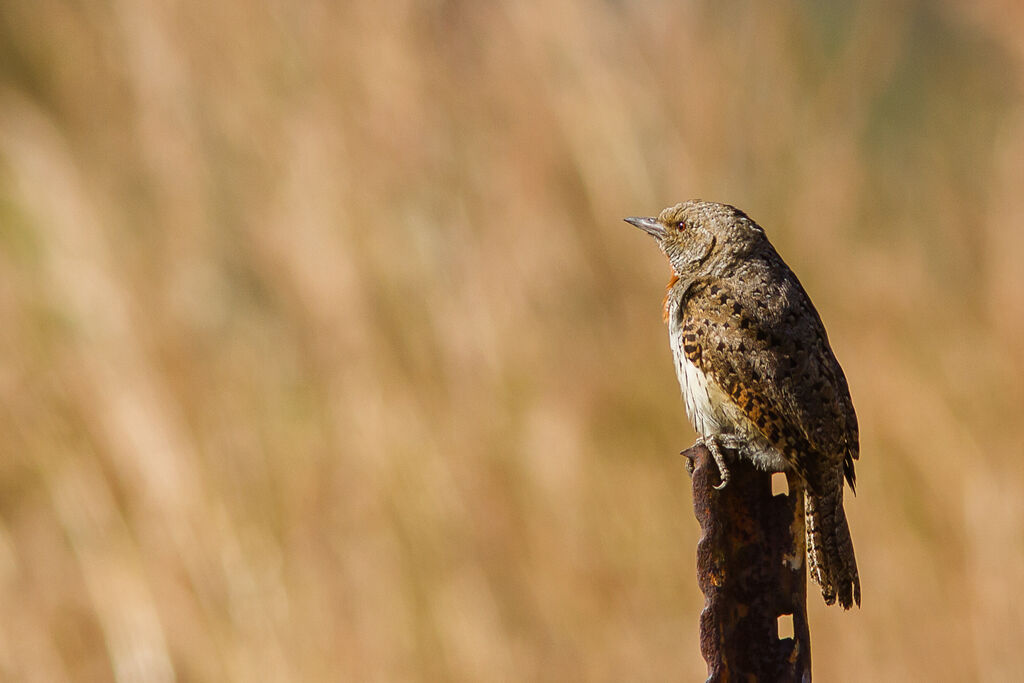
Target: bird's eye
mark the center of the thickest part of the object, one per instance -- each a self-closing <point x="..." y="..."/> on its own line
<point x="680" y="225"/>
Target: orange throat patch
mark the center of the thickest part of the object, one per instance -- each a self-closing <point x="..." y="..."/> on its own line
<point x="668" y="291"/>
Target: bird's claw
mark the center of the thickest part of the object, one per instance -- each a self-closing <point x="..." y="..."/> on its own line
<point x="716" y="453"/>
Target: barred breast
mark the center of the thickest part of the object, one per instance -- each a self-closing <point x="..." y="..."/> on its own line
<point x="708" y="407"/>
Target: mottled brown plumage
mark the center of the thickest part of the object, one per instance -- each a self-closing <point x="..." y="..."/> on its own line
<point x="759" y="378"/>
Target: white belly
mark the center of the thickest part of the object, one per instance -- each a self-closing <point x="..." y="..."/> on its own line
<point x="697" y="397"/>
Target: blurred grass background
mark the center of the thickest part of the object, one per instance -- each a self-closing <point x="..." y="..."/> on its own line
<point x="327" y="356"/>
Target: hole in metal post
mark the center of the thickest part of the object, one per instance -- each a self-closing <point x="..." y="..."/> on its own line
<point x="780" y="485"/>
<point x="785" y="625"/>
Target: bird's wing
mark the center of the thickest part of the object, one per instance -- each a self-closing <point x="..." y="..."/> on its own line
<point x="775" y="364"/>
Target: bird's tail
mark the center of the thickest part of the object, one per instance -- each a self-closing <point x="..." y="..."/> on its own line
<point x="831" y="562"/>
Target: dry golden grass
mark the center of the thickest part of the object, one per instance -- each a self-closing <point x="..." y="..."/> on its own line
<point x="326" y="354"/>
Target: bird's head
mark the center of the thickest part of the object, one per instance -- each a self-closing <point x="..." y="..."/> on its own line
<point x="702" y="238"/>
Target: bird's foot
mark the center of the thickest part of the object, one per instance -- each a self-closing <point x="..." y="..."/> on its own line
<point x="716" y="453"/>
<point x="714" y="444"/>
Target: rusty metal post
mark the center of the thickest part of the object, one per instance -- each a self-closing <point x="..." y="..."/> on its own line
<point x="751" y="569"/>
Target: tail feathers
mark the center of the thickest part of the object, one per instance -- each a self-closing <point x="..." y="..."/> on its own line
<point x="831" y="561"/>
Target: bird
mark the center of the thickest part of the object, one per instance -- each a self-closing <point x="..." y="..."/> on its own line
<point x="758" y="376"/>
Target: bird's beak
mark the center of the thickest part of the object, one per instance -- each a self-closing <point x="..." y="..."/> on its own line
<point x="649" y="225"/>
